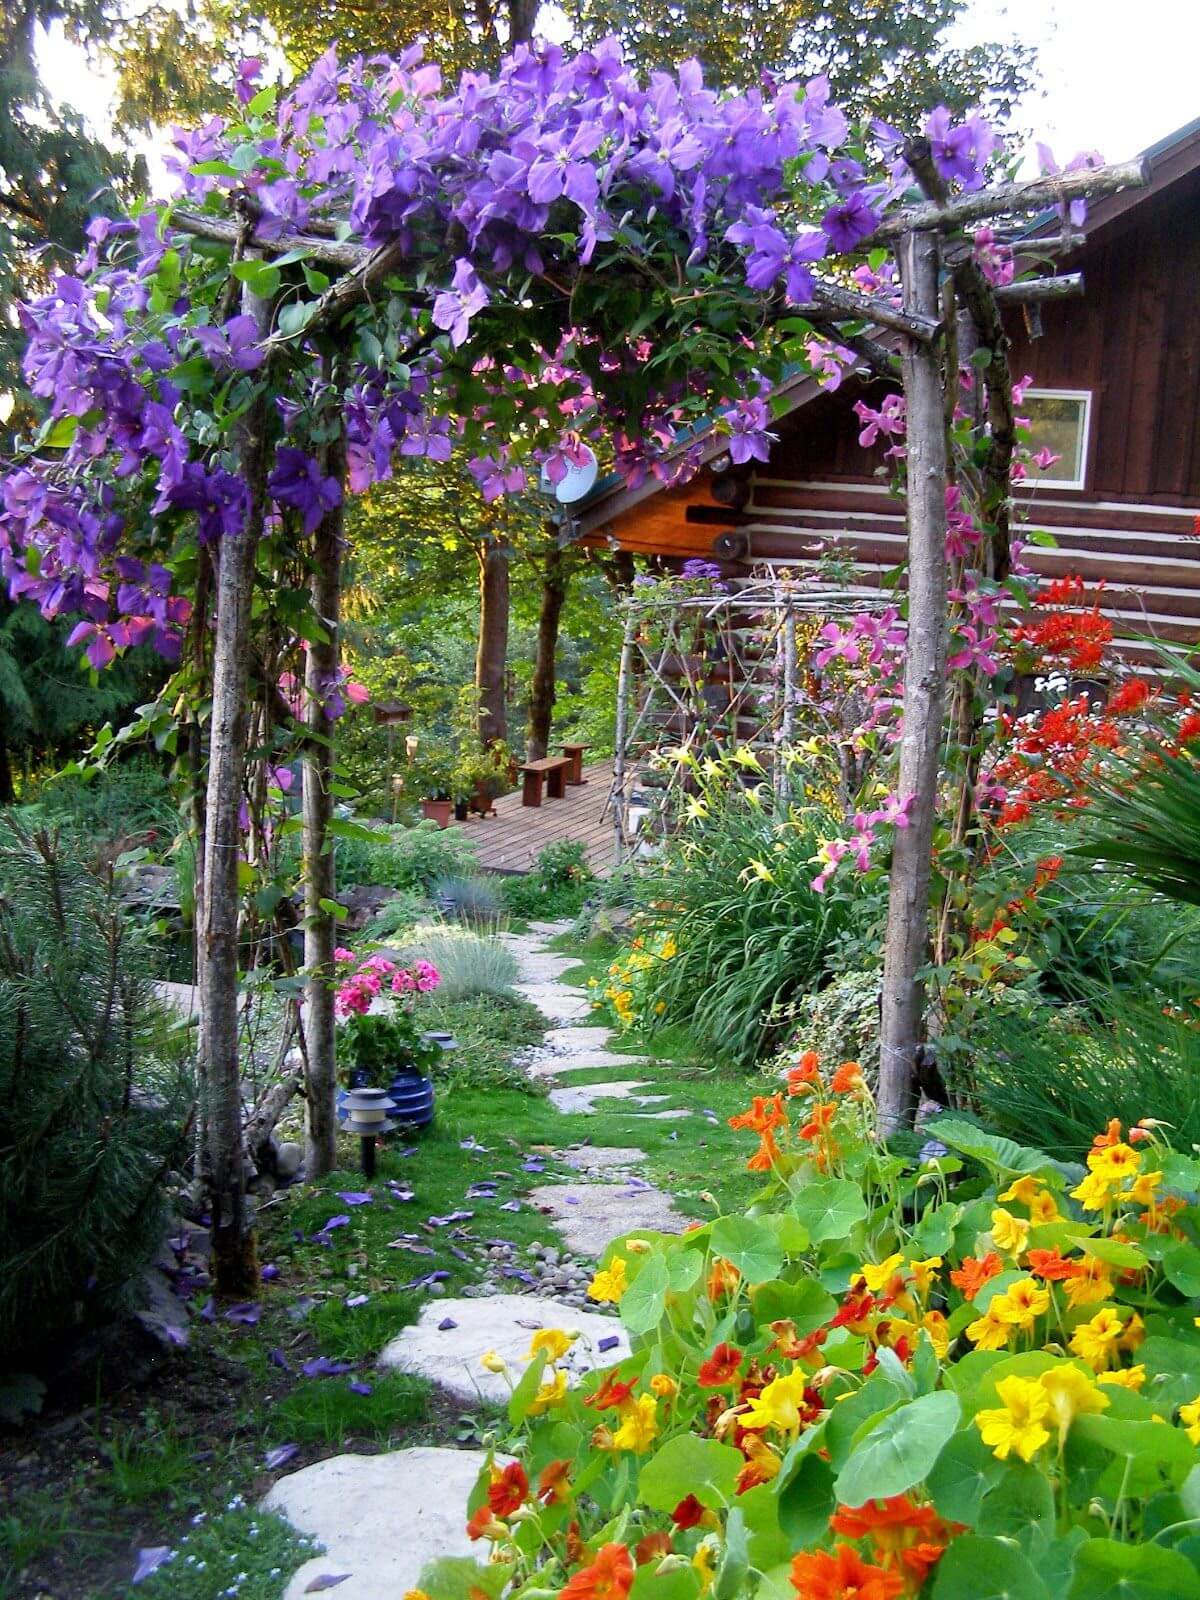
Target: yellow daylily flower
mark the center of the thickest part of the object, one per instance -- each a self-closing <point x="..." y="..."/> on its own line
<point x="1017" y="1425"/>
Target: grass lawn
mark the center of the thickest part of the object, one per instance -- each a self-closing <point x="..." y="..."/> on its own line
<point x="153" y="1451"/>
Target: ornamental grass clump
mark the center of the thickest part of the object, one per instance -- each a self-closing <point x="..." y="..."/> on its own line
<point x="974" y="1376"/>
<point x="95" y="1100"/>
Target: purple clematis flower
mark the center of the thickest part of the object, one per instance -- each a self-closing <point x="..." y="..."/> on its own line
<point x="847" y="223"/>
<point x="454" y="307"/>
<point x="298" y="481"/>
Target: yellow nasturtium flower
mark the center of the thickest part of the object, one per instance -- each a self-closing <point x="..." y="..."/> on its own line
<point x="1125" y="1378"/>
<point x="552" y="1393"/>
<point x="1010" y="1234"/>
<point x="639" y="1426"/>
<point x="1017" y="1425"/>
<point x="1040" y="1202"/>
<point x="1097" y="1341"/>
<point x="778" y="1405"/>
<point x="610" y="1283"/>
<point x="1072" y="1394"/>
<point x="992" y="1330"/>
<point x="493" y="1362"/>
<point x="1021" y="1303"/>
<point x="553" y="1341"/>
<point x="663" y="1386"/>
<point x="1189" y="1415"/>
<point x="878" y="1277"/>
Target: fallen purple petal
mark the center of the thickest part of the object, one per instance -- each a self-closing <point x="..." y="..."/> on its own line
<point x="511" y="1205"/>
<point x="355" y="1198"/>
<point x="609" y="1342"/>
<point x="277" y="1359"/>
<point x="245" y="1315"/>
<point x="357" y="1300"/>
<point x="326" y="1580"/>
<point x="323" y="1367"/>
<point x="280" y="1455"/>
<point x="445" y="1325"/>
<point x="427" y="1281"/>
<point x="207" y="1313"/>
<point x="460" y="1255"/>
<point x="519" y="1274"/>
<point x="269" y="1273"/>
<point x="533" y="1164"/>
<point x="402" y="1194"/>
<point x="340" y="1221"/>
<point x="300" y="1308"/>
<point x="360" y="1388"/>
<point x="149" y="1560"/>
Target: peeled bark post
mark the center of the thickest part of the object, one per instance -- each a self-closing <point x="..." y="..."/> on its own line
<point x="491" y="663"/>
<point x="233" y="1246"/>
<point x="320" y="880"/>
<point x="907" y="940"/>
<point x="555" y="579"/>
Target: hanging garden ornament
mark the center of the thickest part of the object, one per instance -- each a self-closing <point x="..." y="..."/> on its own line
<point x="577" y="474"/>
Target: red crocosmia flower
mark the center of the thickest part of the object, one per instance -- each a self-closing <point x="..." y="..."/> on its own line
<point x="508" y="1489"/>
<point x="687" y="1513"/>
<point x="844" y="1575"/>
<point x="553" y="1482"/>
<point x="610" y="1576"/>
<point x="720" y="1368"/>
<point x="611" y="1393"/>
<point x="1189" y="728"/>
<point x="652" y="1548"/>
<point x="1131" y="696"/>
<point x="974" y="1273"/>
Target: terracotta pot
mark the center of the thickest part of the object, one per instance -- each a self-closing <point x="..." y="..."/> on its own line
<point x="438" y="811"/>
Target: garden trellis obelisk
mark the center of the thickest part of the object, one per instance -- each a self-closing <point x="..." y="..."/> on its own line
<point x="517" y="265"/>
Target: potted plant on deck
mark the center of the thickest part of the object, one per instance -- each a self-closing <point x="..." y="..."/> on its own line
<point x="434" y="775"/>
<point x="380" y="1044"/>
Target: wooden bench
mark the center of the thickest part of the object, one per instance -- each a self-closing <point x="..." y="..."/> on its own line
<point x="574" y="754"/>
<point x="553" y="771"/>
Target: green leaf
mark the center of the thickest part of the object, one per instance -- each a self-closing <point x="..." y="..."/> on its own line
<point x="687" y="1465"/>
<point x="961" y="1476"/>
<point x="1112" y="1251"/>
<point x="1181" y="1263"/>
<point x="805" y="1303"/>
<point x="678" y="1583"/>
<point x="735" y="1559"/>
<point x="1043" y="538"/>
<point x="57" y="435"/>
<point x="294" y="317"/>
<point x="260" y="277"/>
<point x="980" y="1568"/>
<point x="807" y="1502"/>
<point x="683" y="1269"/>
<point x="829" y="1207"/>
<point x="530" y="1382"/>
<point x="331" y="908"/>
<point x="461" y="1578"/>
<point x="645" y="1300"/>
<point x="750" y="1245"/>
<point x="899" y="1451"/>
<point x="1105" y="1570"/>
<point x="994" y="1151"/>
<point x="1022" y="1499"/>
<point x="214" y="169"/>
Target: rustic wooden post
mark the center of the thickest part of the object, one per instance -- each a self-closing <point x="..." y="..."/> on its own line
<point x="556" y="576"/>
<point x="907" y="940"/>
<point x="235" y="1268"/>
<point x="320" y="883"/>
<point x="492" y="659"/>
<point x="620" y="800"/>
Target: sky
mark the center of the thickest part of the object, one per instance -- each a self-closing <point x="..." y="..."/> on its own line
<point x="1114" y="77"/>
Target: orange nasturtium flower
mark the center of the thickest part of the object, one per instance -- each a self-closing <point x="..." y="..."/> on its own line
<point x="720" y="1368"/>
<point x="817" y="1575"/>
<point x="1051" y="1266"/>
<point x="508" y="1489"/>
<point x="688" y="1513"/>
<point x="805" y="1074"/>
<point x="554" y="1482"/>
<point x="766" y="1112"/>
<point x="723" y="1279"/>
<point x="847" y="1078"/>
<point x="974" y="1273"/>
<point x="610" y="1576"/>
<point x="612" y="1392"/>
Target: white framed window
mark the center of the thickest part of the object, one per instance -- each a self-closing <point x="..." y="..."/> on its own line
<point x="1059" y="421"/>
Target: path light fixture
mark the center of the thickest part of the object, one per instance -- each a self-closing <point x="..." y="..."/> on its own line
<point x="368" y="1115"/>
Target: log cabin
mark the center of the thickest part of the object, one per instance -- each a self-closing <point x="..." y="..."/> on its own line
<point x="1115" y="394"/>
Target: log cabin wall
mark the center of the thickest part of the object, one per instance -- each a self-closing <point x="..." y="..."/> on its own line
<point x="1132" y="342"/>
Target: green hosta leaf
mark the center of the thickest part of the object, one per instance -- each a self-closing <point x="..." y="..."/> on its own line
<point x="645" y="1300"/>
<point x="829" y="1207"/>
<point x="343" y="828"/>
<point x="690" y="1465"/>
<point x="750" y="1244"/>
<point x="1105" y="1570"/>
<point x="979" y="1568"/>
<point x="899" y="1451"/>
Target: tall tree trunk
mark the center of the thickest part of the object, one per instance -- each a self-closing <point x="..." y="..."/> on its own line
<point x="319" y="876"/>
<point x="233" y="1245"/>
<point x="907" y="940"/>
<point x="491" y="663"/>
<point x="556" y="576"/>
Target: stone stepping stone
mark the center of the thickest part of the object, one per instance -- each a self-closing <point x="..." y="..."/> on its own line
<point x="504" y="1323"/>
<point x="543" y="1064"/>
<point x="600" y="1157"/>
<point x="677" y="1115"/>
<point x="556" y="1001"/>
<point x="380" y="1518"/>
<point x="582" y="1100"/>
<point x="551" y="930"/>
<point x="570" y="1041"/>
<point x="591" y="1215"/>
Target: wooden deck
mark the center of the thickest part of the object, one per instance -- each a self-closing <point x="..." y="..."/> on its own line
<point x="511" y="840"/>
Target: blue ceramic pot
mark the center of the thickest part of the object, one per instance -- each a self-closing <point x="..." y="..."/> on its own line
<point x="411" y="1092"/>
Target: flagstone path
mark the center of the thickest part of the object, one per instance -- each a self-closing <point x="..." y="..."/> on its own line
<point x="381" y="1518"/>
